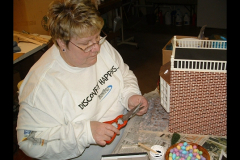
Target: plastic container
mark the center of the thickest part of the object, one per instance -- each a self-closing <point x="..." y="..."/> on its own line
<point x="179" y="12"/>
<point x="186" y="19"/>
<point x="161" y="153"/>
<point x="160" y="17"/>
<point x="178" y="20"/>
<point x="219" y="44"/>
<point x="173" y="17"/>
<point x="167" y="18"/>
<point x="194" y="19"/>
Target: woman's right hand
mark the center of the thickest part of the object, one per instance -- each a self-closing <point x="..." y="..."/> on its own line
<point x="102" y="132"/>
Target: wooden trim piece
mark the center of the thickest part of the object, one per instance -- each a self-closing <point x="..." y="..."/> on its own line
<point x="17" y="55"/>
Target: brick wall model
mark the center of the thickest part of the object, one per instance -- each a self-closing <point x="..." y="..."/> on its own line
<point x="198" y="103"/>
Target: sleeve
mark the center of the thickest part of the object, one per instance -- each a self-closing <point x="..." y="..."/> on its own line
<point x="52" y="134"/>
<point x="130" y="83"/>
<point x="54" y="142"/>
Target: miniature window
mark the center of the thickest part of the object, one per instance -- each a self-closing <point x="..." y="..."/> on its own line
<point x="165" y="94"/>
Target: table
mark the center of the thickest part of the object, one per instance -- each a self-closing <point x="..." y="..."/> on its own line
<point x="30" y="48"/>
<point x="30" y="54"/>
<point x="152" y="129"/>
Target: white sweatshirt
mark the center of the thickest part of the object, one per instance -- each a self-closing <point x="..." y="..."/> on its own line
<point x="57" y="102"/>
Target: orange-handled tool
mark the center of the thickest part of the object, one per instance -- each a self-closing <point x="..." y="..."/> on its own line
<point x="121" y="120"/>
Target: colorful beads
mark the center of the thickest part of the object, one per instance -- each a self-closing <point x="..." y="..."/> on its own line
<point x="185" y="151"/>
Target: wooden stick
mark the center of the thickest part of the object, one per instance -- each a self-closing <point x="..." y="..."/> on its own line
<point x="28" y="39"/>
<point x="37" y="38"/>
<point x="148" y="148"/>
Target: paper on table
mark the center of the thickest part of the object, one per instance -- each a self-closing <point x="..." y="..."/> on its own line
<point x="141" y="129"/>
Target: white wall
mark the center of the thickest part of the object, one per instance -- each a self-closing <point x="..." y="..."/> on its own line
<point x="212" y="13"/>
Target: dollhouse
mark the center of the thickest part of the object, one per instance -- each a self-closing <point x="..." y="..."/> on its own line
<point x="193" y="87"/>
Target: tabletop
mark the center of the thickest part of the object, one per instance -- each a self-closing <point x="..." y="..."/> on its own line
<point x="28" y="48"/>
<point x="152" y="129"/>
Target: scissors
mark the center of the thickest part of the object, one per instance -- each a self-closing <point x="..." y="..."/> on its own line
<point x="121" y="120"/>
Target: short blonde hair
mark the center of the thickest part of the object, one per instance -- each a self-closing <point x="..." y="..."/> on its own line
<point x="70" y="18"/>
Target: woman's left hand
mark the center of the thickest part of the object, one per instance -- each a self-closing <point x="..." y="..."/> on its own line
<point x="134" y="100"/>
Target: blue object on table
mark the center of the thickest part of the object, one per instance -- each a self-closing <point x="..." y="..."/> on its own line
<point x="219" y="45"/>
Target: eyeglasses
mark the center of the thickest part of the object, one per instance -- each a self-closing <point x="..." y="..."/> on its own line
<point x="89" y="48"/>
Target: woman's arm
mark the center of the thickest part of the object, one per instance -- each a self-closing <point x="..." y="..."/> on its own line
<point x="57" y="141"/>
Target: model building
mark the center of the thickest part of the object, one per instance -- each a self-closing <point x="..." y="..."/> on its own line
<point x="193" y="87"/>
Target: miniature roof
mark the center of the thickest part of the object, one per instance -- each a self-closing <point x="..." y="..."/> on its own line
<point x="165" y="72"/>
<point x="201" y="54"/>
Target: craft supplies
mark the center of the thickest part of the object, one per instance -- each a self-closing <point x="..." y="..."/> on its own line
<point x="178" y="20"/>
<point x="146" y="147"/>
<point x="186" y="19"/>
<point x="30" y="38"/>
<point x="175" y="138"/>
<point x="168" y="18"/>
<point x="187" y="151"/>
<point x="159" y="155"/>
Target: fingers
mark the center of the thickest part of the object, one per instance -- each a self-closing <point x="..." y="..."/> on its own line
<point x="101" y="142"/>
<point x="136" y="99"/>
<point x="111" y="130"/>
<point x="103" y="132"/>
<point x="104" y="140"/>
<point x="110" y="133"/>
<point x="142" y="111"/>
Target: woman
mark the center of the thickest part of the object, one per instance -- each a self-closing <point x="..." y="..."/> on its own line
<point x="78" y="83"/>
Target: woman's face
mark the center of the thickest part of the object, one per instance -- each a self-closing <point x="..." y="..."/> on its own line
<point x="75" y="56"/>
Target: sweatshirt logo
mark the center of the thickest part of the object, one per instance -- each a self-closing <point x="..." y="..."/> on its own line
<point x="94" y="92"/>
<point x="105" y="92"/>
